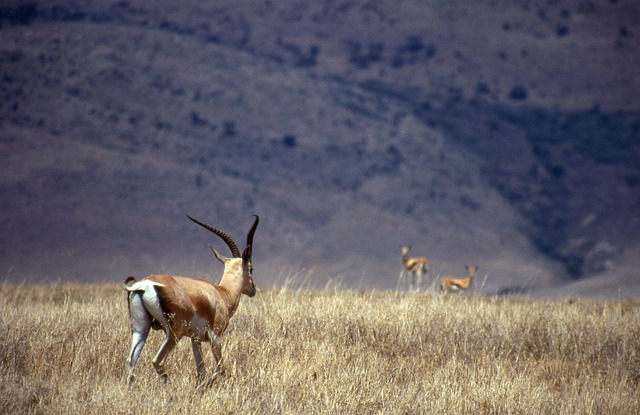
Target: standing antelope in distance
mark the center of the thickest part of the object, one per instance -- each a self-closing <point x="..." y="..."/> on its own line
<point x="458" y="284"/>
<point x="192" y="307"/>
<point x="416" y="266"/>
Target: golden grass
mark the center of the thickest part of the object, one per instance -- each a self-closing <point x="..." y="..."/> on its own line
<point x="63" y="349"/>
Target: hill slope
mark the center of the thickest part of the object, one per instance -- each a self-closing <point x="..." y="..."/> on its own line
<point x="350" y="129"/>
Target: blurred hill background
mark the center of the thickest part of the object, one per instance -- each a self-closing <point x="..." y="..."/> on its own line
<point x="498" y="133"/>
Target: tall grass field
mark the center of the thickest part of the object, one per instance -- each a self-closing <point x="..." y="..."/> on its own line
<point x="64" y="346"/>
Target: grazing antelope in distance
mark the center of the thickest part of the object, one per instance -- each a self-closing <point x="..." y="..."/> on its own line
<point x="458" y="284"/>
<point x="192" y="307"/>
<point x="416" y="267"/>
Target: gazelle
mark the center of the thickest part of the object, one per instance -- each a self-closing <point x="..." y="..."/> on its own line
<point x="190" y="307"/>
<point x="416" y="267"/>
<point x="458" y="284"/>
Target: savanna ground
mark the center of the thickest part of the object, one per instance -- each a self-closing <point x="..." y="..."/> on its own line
<point x="291" y="351"/>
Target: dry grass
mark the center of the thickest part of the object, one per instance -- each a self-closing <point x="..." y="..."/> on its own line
<point x="64" y="346"/>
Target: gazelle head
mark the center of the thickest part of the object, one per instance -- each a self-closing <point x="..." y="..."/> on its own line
<point x="471" y="270"/>
<point x="405" y="249"/>
<point x="237" y="263"/>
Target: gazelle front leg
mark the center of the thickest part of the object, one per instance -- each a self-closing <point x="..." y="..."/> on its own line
<point x="216" y="348"/>
<point x="196" y="346"/>
<point x="399" y="284"/>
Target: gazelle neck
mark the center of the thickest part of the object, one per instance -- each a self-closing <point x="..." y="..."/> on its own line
<point x="232" y="280"/>
<point x="405" y="260"/>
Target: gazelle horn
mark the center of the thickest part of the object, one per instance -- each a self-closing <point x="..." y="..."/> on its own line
<point x="252" y="230"/>
<point x="232" y="245"/>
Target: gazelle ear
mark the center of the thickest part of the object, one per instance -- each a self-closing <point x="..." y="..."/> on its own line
<point x="219" y="257"/>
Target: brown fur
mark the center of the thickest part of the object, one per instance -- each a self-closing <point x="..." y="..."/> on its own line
<point x="416" y="266"/>
<point x="447" y="284"/>
<point x="192" y="307"/>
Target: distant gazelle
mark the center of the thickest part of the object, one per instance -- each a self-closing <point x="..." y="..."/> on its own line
<point x="458" y="284"/>
<point x="415" y="266"/>
<point x="190" y="307"/>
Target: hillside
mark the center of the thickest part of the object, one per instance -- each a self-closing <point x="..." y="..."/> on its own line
<point x="500" y="134"/>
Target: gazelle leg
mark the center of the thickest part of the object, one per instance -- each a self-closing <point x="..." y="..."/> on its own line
<point x="216" y="347"/>
<point x="197" y="355"/>
<point x="140" y="326"/>
<point x="168" y="345"/>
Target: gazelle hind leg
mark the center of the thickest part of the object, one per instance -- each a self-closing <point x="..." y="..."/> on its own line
<point x="140" y="326"/>
<point x="415" y="281"/>
<point x="168" y="345"/>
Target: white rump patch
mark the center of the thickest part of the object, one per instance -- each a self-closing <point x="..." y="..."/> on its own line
<point x="146" y="288"/>
<point x="143" y="285"/>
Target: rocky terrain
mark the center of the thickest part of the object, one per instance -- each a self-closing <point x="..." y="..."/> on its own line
<point x="498" y="133"/>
